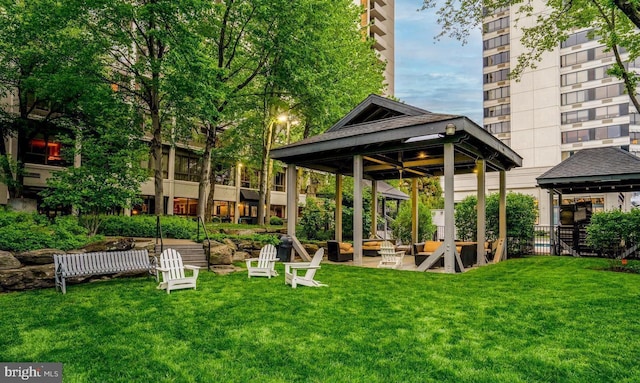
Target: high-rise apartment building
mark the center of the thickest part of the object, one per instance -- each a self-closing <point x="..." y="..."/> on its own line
<point x="378" y="17"/>
<point x="567" y="103"/>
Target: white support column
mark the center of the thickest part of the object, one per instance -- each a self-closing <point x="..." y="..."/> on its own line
<point x="236" y="214"/>
<point x="482" y="224"/>
<point x="338" y="233"/>
<point x="449" y="221"/>
<point x="552" y="231"/>
<point x="374" y="208"/>
<point x="357" y="209"/>
<point x="414" y="211"/>
<point x="292" y="205"/>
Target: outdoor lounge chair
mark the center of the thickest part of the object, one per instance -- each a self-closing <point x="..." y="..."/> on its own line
<point x="292" y="278"/>
<point x="173" y="276"/>
<point x="264" y="265"/>
<point x="391" y="258"/>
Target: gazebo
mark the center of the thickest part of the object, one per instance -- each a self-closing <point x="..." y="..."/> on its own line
<point x="594" y="170"/>
<point x="381" y="139"/>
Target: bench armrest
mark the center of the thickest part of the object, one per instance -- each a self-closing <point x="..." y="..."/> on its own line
<point x="191" y="267"/>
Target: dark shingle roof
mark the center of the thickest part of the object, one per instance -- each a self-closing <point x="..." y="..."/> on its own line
<point x="595" y="162"/>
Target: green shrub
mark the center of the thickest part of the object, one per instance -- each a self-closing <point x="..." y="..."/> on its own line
<point x="30" y="231"/>
<point x="610" y="232"/>
<point x="275" y="221"/>
<point x="317" y="220"/>
<point x="402" y="225"/>
<point x="145" y="226"/>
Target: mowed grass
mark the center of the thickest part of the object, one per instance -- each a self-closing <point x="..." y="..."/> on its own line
<point x="539" y="319"/>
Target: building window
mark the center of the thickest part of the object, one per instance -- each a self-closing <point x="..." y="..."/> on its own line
<point x="44" y="151"/>
<point x="185" y="206"/>
<point x="499" y="58"/>
<point x="496" y="93"/>
<point x="501" y="75"/>
<point x="611" y="111"/>
<point x="498" y="110"/>
<point x="499" y="127"/>
<point x="578" y="38"/>
<point x="587" y="55"/>
<point x="279" y="182"/>
<point x="187" y="166"/>
<point x="634" y="138"/>
<point x="495" y="42"/>
<point x="599" y="93"/>
<point x="488" y="11"/>
<point x="602" y="133"/>
<point x="249" y="178"/>
<point x="495" y="25"/>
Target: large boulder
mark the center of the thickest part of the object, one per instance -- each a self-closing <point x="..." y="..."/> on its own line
<point x="221" y="255"/>
<point x="113" y="244"/>
<point x="8" y="261"/>
<point x="27" y="278"/>
<point x="38" y="257"/>
<point x="240" y="256"/>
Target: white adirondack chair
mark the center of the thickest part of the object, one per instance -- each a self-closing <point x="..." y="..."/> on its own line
<point x="292" y="278"/>
<point x="265" y="263"/>
<point x="391" y="258"/>
<point x="173" y="276"/>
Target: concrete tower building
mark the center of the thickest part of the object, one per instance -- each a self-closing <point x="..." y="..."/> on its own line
<point x="567" y="103"/>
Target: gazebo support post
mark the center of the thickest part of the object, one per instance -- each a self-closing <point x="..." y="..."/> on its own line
<point x="414" y="210"/>
<point x="236" y="211"/>
<point x="501" y="249"/>
<point x="358" y="172"/>
<point x="449" y="223"/>
<point x="338" y="233"/>
<point x="481" y="224"/>
<point x="374" y="208"/>
<point x="292" y="211"/>
<point x="552" y="232"/>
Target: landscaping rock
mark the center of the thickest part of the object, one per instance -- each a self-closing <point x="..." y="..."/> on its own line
<point x="8" y="261"/>
<point x="229" y="242"/>
<point x="115" y="244"/>
<point x="310" y="248"/>
<point x="221" y="255"/>
<point x="27" y="278"/>
<point x="240" y="256"/>
<point x="224" y="269"/>
<point x="38" y="257"/>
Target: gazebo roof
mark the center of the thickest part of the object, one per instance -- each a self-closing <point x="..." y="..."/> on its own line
<point x="397" y="140"/>
<point x="608" y="169"/>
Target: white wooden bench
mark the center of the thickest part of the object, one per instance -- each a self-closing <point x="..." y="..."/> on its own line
<point x="98" y="263"/>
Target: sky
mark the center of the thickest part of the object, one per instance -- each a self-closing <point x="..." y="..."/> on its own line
<point x="440" y="76"/>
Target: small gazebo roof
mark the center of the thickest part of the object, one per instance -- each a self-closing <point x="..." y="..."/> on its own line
<point x="608" y="169"/>
<point x="397" y="140"/>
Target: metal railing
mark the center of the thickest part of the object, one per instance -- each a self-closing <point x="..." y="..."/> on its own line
<point x="206" y="234"/>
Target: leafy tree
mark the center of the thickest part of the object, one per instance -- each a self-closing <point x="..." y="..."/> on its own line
<point x="48" y="65"/>
<point x="109" y="176"/>
<point x="402" y="225"/>
<point x="316" y="221"/>
<point x="150" y="43"/>
<point x="521" y="216"/>
<point x="613" y="22"/>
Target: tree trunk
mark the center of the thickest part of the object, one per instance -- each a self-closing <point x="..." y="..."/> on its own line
<point x="156" y="150"/>
<point x="205" y="176"/>
<point x="630" y="8"/>
<point x="264" y="173"/>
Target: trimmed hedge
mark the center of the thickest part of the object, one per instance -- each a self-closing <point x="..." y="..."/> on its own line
<point x="145" y="226"/>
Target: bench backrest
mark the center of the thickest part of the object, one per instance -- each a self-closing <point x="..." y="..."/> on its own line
<point x="101" y="262"/>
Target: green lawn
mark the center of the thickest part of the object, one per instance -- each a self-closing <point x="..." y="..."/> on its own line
<point x="539" y="319"/>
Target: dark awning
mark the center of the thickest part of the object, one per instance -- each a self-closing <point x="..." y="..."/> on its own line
<point x="249" y="195"/>
<point x="604" y="170"/>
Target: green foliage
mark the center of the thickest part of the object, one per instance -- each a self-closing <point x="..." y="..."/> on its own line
<point x="31" y="231"/>
<point x="316" y="221"/>
<point x="263" y="239"/>
<point x="145" y="226"/>
<point x="275" y="221"/>
<point x="609" y="232"/>
<point x="521" y="216"/>
<point x="402" y="225"/>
